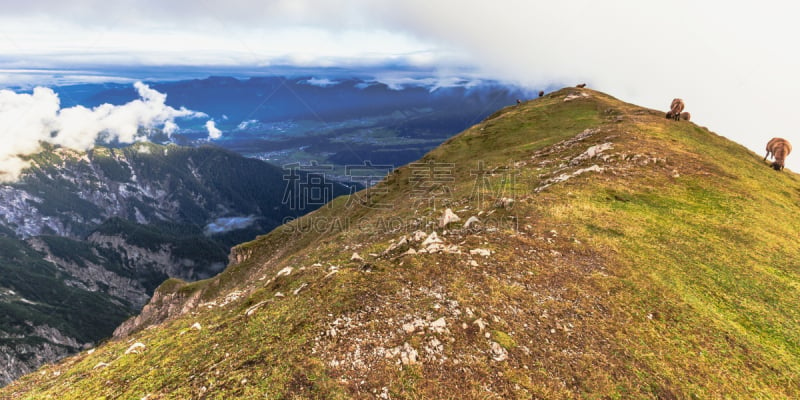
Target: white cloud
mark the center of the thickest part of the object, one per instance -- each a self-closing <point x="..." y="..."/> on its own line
<point x="247" y="124"/>
<point x="27" y="120"/>
<point x="169" y="128"/>
<point x="222" y="225"/>
<point x="213" y="131"/>
<point x="321" y="82"/>
<point x="732" y="62"/>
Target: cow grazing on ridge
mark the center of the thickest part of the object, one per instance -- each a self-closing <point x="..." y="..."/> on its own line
<point x="779" y="148"/>
<point x="686" y="116"/>
<point x="582" y="85"/>
<point x="541" y="93"/>
<point x="676" y="107"/>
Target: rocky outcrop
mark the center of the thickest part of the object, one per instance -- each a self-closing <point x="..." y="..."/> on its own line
<point x="167" y="302"/>
<point x="20" y="354"/>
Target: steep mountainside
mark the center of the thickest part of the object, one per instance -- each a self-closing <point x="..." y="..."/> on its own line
<point x="612" y="254"/>
<point x="87" y="237"/>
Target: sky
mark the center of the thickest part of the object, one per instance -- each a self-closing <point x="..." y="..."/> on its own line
<point x="733" y="64"/>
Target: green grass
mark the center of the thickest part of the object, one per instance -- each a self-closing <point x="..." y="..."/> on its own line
<point x="671" y="278"/>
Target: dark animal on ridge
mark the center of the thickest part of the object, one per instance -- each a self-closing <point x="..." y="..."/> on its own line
<point x="541" y="93"/>
<point x="779" y="148"/>
<point x="582" y="85"/>
<point x="675" y="109"/>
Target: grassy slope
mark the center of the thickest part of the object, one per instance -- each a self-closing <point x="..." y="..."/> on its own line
<point x="673" y="273"/>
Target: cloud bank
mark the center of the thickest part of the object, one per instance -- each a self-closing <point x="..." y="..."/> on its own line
<point x="28" y="120"/>
<point x="732" y="62"/>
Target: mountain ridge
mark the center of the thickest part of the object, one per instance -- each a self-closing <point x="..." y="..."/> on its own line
<point x="616" y="254"/>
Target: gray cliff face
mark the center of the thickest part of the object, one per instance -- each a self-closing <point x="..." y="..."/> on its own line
<point x="86" y="237"/>
<point x="124" y="195"/>
<point x="20" y="356"/>
<point x="94" y="277"/>
<point x="18" y="211"/>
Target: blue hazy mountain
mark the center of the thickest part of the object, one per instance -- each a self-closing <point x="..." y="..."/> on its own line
<point x="328" y="119"/>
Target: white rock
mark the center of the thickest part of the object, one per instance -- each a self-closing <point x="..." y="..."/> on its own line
<point x="452" y="249"/>
<point x="498" y="352"/>
<point x="480" y="252"/>
<point x="408" y="355"/>
<point x="592" y="152"/>
<point x="394" y="246"/>
<point x="303" y="286"/>
<point x="101" y="365"/>
<point x="432" y="238"/>
<point x="196" y="326"/>
<point x="284" y="272"/>
<point x="481" y="324"/>
<point x="136" y="348"/>
<point x="410" y="252"/>
<point x="442" y="248"/>
<point x="434" y="347"/>
<point x="279" y="294"/>
<point x="471" y="220"/>
<point x="418" y="236"/>
<point x="565" y="177"/>
<point x="448" y="217"/>
<point x="329" y="274"/>
<point x="593" y="168"/>
<point x="356" y="257"/>
<point x="254" y="307"/>
<point x="434" y="248"/>
<point x="439" y="326"/>
<point x="574" y="96"/>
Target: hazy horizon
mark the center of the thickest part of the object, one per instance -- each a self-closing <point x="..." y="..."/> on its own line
<point x="729" y="62"/>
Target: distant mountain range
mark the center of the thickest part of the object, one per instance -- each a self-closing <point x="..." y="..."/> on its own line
<point x="87" y="236"/>
<point x="332" y="120"/>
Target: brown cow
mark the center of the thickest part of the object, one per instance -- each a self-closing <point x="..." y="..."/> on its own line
<point x="582" y="85"/>
<point x="779" y="148"/>
<point x="541" y="93"/>
<point x="675" y="109"/>
<point x="686" y="116"/>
